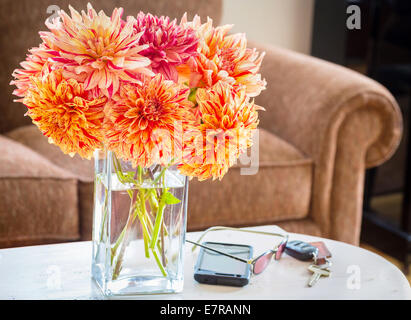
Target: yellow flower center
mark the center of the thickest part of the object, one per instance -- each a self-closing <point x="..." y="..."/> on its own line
<point x="101" y="48"/>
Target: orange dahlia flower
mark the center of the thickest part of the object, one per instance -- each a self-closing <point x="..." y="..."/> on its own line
<point x="228" y="119"/>
<point x="96" y="49"/>
<point x="65" y="113"/>
<point x="223" y="57"/>
<point x="144" y="124"/>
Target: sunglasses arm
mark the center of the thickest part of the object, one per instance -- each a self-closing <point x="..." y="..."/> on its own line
<point x="216" y="228"/>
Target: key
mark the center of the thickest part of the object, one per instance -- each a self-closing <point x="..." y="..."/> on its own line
<point x="323" y="253"/>
<point x="301" y="250"/>
<point x="318" y="272"/>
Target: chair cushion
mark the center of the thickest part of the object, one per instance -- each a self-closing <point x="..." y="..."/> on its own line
<point x="38" y="200"/>
<point x="279" y="191"/>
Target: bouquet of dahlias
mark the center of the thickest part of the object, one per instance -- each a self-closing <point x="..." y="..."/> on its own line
<point x="152" y="91"/>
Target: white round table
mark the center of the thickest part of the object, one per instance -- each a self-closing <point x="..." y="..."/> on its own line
<point x="356" y="273"/>
<point x="62" y="271"/>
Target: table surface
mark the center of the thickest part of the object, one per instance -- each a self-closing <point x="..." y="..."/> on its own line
<point x="62" y="271"/>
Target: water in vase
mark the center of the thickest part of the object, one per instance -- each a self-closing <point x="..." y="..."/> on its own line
<point x="138" y="229"/>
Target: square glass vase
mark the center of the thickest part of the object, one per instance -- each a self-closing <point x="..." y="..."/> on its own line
<point x="139" y="227"/>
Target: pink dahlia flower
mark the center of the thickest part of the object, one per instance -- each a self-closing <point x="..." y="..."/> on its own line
<point x="169" y="44"/>
<point x="98" y="50"/>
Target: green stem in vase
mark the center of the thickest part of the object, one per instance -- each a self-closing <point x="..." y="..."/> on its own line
<point x="163" y="256"/>
<point x="119" y="263"/>
<point x="160" y="212"/>
<point x="152" y="198"/>
<point x="123" y="238"/>
<point x="143" y="221"/>
<point x="163" y="271"/>
<point x="103" y="223"/>
<point x="154" y="207"/>
<point x="117" y="244"/>
<point x="138" y="209"/>
<point x="146" y="240"/>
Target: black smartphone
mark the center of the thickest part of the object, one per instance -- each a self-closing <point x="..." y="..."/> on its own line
<point x="215" y="268"/>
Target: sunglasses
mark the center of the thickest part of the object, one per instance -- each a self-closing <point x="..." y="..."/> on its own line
<point x="258" y="264"/>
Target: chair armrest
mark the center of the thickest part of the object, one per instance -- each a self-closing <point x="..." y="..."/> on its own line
<point x="38" y="200"/>
<point x="344" y="121"/>
<point x="307" y="99"/>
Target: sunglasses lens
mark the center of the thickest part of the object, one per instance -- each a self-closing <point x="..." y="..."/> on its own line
<point x="262" y="262"/>
<point x="280" y="249"/>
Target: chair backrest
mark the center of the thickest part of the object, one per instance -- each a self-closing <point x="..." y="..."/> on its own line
<point x="20" y="21"/>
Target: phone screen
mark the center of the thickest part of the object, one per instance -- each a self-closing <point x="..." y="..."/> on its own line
<point x="217" y="263"/>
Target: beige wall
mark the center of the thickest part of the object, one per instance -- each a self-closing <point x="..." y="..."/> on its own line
<point x="285" y="23"/>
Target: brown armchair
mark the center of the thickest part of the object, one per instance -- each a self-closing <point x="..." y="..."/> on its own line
<point x="323" y="126"/>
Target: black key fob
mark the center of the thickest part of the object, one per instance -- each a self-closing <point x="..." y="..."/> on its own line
<point x="301" y="250"/>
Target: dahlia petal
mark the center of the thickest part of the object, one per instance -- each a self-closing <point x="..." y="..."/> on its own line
<point x="62" y="60"/>
<point x="110" y="91"/>
<point x="105" y="79"/>
<point x="90" y="11"/>
<point x="117" y="62"/>
<point x="143" y="124"/>
<point x="129" y="76"/>
<point x="82" y="68"/>
<point x="136" y="63"/>
<point x="169" y="72"/>
<point x="76" y="16"/>
<point x="92" y="80"/>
